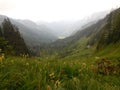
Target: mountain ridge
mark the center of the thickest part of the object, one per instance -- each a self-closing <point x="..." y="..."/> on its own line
<point x="97" y="35"/>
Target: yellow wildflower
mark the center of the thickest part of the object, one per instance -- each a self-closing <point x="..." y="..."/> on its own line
<point x="75" y="79"/>
<point x="12" y="61"/>
<point x="52" y="74"/>
<point x="64" y="62"/>
<point x="48" y="87"/>
<point x="84" y="64"/>
<point x="97" y="58"/>
<point x="57" y="83"/>
<point x="2" y="58"/>
<point x="27" y="64"/>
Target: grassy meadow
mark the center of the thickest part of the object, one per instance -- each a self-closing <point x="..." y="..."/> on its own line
<point x="20" y="73"/>
<point x="82" y="69"/>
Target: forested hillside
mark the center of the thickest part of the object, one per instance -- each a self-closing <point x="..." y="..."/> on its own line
<point x="111" y="30"/>
<point x="11" y="39"/>
<point x="103" y="32"/>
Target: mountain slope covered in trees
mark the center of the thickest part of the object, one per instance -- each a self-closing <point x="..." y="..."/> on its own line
<point x="100" y="35"/>
<point x="35" y="36"/>
<point x="11" y="39"/>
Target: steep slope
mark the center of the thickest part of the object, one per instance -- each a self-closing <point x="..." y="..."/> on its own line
<point x="35" y="36"/>
<point x="65" y="29"/>
<point x="11" y="38"/>
<point x="99" y="36"/>
<point x="110" y="33"/>
<point x="2" y="17"/>
<point x="31" y="32"/>
<point x="86" y="32"/>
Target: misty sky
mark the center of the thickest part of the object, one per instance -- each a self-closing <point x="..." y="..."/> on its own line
<point x="54" y="10"/>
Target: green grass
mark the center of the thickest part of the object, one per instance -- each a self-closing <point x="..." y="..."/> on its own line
<point x="17" y="73"/>
<point x="111" y="51"/>
<point x="78" y="70"/>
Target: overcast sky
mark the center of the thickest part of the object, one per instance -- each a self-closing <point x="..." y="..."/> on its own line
<point x="54" y="10"/>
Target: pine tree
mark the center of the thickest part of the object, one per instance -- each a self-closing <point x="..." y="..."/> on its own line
<point x="1" y="32"/>
<point x="12" y="35"/>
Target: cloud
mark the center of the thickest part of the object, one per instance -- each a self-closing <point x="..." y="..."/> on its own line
<point x="6" y="5"/>
<point x="54" y="10"/>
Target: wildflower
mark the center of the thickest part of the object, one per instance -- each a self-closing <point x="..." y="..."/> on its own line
<point x="52" y="74"/>
<point x="57" y="83"/>
<point x="0" y="49"/>
<point x="84" y="64"/>
<point x="27" y="64"/>
<point x="64" y="62"/>
<point x="12" y="61"/>
<point x="48" y="87"/>
<point x="2" y="58"/>
<point x="75" y="79"/>
<point x="97" y="58"/>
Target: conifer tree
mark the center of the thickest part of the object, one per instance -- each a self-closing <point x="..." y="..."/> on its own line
<point x="12" y="35"/>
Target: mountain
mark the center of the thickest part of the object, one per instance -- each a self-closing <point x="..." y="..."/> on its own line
<point x="41" y="35"/>
<point x="31" y="32"/>
<point x="2" y="17"/>
<point x="86" y="32"/>
<point x="63" y="29"/>
<point x="35" y="36"/>
<point x="58" y="28"/>
<point x="99" y="36"/>
<point x="34" y="33"/>
<point x="110" y="33"/>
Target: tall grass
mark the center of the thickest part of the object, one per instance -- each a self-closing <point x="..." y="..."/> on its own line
<point x="17" y="73"/>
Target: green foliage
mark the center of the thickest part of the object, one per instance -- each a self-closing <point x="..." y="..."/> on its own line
<point x="3" y="43"/>
<point x="6" y="48"/>
<point x="1" y="34"/>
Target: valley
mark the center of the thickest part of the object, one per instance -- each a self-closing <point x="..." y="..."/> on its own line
<point x="34" y="57"/>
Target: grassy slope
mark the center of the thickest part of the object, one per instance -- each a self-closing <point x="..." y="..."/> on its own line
<point x="112" y="51"/>
<point x="77" y="71"/>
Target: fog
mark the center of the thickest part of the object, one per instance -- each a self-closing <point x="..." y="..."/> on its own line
<point x="54" y="10"/>
<point x="59" y="17"/>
